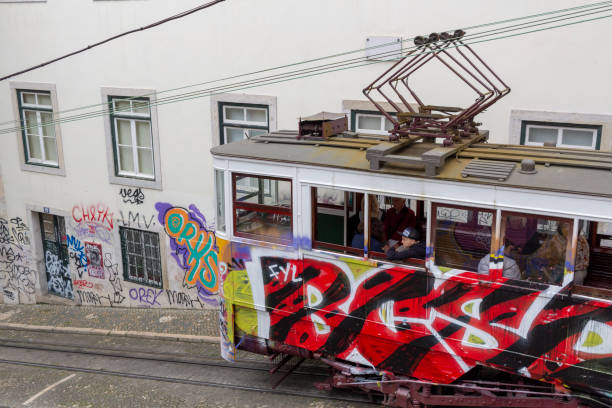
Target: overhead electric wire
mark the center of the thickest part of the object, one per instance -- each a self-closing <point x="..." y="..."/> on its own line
<point x="271" y="79"/>
<point x="342" y="65"/>
<point x="590" y="6"/>
<point x="89" y="47"/>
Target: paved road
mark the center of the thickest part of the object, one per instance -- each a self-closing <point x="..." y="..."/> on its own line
<point x="45" y="387"/>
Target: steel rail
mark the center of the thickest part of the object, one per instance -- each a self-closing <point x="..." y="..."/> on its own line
<point x="133" y="354"/>
<point x="176" y="380"/>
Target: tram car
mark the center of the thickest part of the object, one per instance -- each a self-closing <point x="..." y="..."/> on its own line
<point x="426" y="266"/>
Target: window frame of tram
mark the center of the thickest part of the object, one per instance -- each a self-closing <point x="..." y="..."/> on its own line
<point x="274" y="218"/>
<point x="535" y="242"/>
<point x="344" y="201"/>
<point x="473" y="218"/>
<point x="349" y="205"/>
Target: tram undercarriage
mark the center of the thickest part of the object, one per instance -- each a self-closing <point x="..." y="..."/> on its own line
<point x="481" y="387"/>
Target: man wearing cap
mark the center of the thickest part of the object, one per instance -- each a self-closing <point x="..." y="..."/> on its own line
<point x="411" y="247"/>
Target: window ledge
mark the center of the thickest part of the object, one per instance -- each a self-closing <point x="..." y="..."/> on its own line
<point x="43" y="168"/>
<point x="136" y="182"/>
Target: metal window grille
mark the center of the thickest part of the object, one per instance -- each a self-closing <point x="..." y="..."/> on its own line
<point x="141" y="257"/>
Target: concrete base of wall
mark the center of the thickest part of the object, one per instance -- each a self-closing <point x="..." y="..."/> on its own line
<point x="53" y="300"/>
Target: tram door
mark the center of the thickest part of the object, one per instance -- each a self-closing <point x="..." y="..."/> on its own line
<point x="600" y="267"/>
<point x="53" y="231"/>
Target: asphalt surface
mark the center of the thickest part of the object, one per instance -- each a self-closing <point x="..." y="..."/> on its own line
<point x="51" y="387"/>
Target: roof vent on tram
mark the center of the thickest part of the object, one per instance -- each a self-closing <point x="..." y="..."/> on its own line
<point x="528" y="167"/>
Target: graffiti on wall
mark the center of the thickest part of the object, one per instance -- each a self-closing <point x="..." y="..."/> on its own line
<point x="78" y="258"/>
<point x="193" y="247"/>
<point x="132" y="195"/>
<point x="17" y="280"/>
<point x="428" y="326"/>
<point x="92" y="221"/>
<point x="58" y="281"/>
<point x="95" y="266"/>
<point x="134" y="219"/>
<point x="85" y="294"/>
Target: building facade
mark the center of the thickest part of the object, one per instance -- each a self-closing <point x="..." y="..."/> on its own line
<point x="89" y="202"/>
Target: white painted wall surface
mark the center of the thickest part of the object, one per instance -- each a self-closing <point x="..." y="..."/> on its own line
<point x="562" y="70"/>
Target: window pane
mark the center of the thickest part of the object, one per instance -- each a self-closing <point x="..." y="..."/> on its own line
<point x="542" y="135"/>
<point x="538" y="244"/>
<point x="124" y="132"/>
<point x="145" y="161"/>
<point x="143" y="134"/>
<point x="219" y="185"/>
<point x="122" y="106"/>
<point x="462" y="237"/>
<point x="234" y="113"/>
<point x="368" y="122"/>
<point x="234" y="134"/>
<point x="330" y="196"/>
<point x="264" y="225"/>
<point x="46" y="117"/>
<point x="257" y="115"/>
<point x="126" y="159"/>
<point x="31" y="122"/>
<point x="34" y="145"/>
<point x="44" y="99"/>
<point x="50" y="148"/>
<point x="141" y="107"/>
<point x="29" y="98"/>
<point x="259" y="190"/>
<point x="256" y="132"/>
<point x="574" y="137"/>
<point x="388" y="124"/>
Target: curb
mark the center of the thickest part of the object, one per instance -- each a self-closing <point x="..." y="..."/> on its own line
<point x="191" y="338"/>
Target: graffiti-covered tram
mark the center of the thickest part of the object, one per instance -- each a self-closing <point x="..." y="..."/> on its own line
<point x="506" y="303"/>
<point x="293" y="283"/>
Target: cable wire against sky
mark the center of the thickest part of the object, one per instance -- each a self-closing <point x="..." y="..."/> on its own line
<point x="591" y="6"/>
<point x="351" y="63"/>
<point x="155" y="24"/>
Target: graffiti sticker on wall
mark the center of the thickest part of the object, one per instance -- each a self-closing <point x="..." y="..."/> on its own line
<point x="193" y="246"/>
<point x="95" y="265"/>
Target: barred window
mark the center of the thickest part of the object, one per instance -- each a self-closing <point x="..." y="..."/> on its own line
<point x="141" y="258"/>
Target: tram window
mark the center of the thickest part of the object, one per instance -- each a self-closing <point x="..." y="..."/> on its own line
<point x="262" y="208"/>
<point x="394" y="216"/>
<point x="593" y="262"/>
<point x="538" y="244"/>
<point x="220" y="191"/>
<point x="336" y="218"/>
<point x="462" y="236"/>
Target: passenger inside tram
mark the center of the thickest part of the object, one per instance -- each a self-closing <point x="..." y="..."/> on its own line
<point x="411" y="247"/>
<point x="397" y="218"/>
<point x="377" y="235"/>
<point x="510" y="268"/>
<point x="539" y="245"/>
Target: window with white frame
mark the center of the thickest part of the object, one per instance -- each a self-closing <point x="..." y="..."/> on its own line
<point x="38" y="129"/>
<point x="561" y="135"/>
<point x="132" y="139"/>
<point x="241" y="121"/>
<point x="370" y="122"/>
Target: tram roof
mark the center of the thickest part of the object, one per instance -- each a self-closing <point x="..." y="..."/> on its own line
<point x="558" y="169"/>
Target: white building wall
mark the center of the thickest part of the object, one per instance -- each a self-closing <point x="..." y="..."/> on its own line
<point x="563" y="70"/>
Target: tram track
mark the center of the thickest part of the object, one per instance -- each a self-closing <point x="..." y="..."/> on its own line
<point x="158" y="357"/>
<point x="179" y="358"/>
